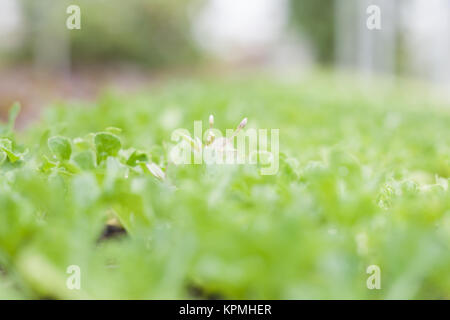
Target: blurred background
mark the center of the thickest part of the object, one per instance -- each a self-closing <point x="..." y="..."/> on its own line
<point x="130" y="44"/>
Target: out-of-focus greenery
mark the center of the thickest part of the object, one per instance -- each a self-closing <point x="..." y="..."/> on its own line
<point x="363" y="180"/>
<point x="154" y="33"/>
<point x="316" y="20"/>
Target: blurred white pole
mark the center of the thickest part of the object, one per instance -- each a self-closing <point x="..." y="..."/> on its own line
<point x="427" y="26"/>
<point x="10" y="22"/>
<point x="346" y="40"/>
<point x="368" y="51"/>
<point x="51" y="38"/>
<point x="233" y="30"/>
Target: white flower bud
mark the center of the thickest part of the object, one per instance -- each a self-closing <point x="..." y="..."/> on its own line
<point x="242" y="124"/>
<point x="156" y="170"/>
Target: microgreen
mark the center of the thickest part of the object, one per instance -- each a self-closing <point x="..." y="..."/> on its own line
<point x="363" y="180"/>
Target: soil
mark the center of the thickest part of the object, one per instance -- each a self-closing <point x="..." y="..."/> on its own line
<point x="36" y="89"/>
<point x="111" y="232"/>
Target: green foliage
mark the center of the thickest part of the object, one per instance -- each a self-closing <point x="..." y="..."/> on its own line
<point x="151" y="33"/>
<point x="316" y="20"/>
<point x="106" y="144"/>
<point x="363" y="180"/>
<point x="6" y="129"/>
<point x="60" y="147"/>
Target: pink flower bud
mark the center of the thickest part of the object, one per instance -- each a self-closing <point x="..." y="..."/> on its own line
<point x="243" y="124"/>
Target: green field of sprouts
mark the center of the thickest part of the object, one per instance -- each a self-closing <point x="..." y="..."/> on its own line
<point x="363" y="180"/>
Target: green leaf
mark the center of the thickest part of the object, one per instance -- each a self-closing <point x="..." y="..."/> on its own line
<point x="85" y="160"/>
<point x="85" y="189"/>
<point x="69" y="167"/>
<point x="106" y="144"/>
<point x="82" y="143"/>
<point x="44" y="139"/>
<point x="113" y="130"/>
<point x="6" y="146"/>
<point x="60" y="147"/>
<point x="11" y="155"/>
<point x="47" y="165"/>
<point x="2" y="157"/>
<point x="13" y="113"/>
<point x="136" y="158"/>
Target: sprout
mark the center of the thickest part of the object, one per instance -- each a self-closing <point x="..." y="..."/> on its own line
<point x="197" y="144"/>
<point x="242" y="124"/>
<point x="239" y="128"/>
<point x="211" y="136"/>
<point x="156" y="170"/>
